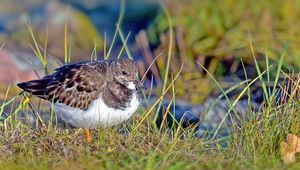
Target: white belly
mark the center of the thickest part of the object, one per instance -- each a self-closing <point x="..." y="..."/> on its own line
<point x="98" y="115"/>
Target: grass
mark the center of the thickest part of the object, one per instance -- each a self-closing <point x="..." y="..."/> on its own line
<point x="143" y="149"/>
<point x="207" y="32"/>
<point x="253" y="143"/>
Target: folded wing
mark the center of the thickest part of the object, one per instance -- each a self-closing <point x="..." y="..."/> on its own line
<point x="75" y="85"/>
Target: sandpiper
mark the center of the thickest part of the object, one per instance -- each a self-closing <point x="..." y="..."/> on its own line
<point x="91" y="95"/>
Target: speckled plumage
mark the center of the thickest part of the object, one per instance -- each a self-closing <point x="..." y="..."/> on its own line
<point x="78" y="88"/>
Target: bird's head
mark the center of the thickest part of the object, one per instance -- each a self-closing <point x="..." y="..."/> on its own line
<point x="125" y="72"/>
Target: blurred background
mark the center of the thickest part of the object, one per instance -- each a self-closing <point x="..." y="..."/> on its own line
<point x="89" y="24"/>
<point x="215" y="33"/>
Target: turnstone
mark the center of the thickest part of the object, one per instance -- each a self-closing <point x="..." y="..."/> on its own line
<point x="91" y="95"/>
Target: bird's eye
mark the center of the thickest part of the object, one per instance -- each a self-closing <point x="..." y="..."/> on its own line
<point x="124" y="73"/>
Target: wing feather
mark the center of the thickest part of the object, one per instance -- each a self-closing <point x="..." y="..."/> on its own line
<point x="75" y="85"/>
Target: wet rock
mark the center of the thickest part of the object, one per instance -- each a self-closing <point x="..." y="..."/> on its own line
<point x="217" y="112"/>
<point x="19" y="66"/>
<point x="10" y="71"/>
<point x="206" y="117"/>
<point x="181" y="112"/>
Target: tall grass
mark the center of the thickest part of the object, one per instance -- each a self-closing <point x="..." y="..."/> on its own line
<point x="37" y="50"/>
<point x="169" y="56"/>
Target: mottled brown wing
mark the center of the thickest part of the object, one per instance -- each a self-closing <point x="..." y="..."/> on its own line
<point x="75" y="85"/>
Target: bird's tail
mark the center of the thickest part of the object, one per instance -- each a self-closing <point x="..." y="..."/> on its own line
<point x="35" y="87"/>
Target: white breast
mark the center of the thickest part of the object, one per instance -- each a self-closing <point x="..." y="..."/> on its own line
<point x="98" y="115"/>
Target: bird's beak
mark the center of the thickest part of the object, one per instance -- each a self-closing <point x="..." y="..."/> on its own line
<point x="139" y="85"/>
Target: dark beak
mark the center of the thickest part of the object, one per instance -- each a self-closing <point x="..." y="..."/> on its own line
<point x="139" y="86"/>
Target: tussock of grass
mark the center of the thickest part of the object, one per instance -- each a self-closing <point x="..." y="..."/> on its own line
<point x="139" y="149"/>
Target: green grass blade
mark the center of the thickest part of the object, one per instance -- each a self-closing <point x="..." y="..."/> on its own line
<point x="171" y="36"/>
<point x="226" y="92"/>
<point x="2" y="106"/>
<point x="219" y="86"/>
<point x="37" y="50"/>
<point x="268" y="72"/>
<point x="121" y="16"/>
<point x="158" y="100"/>
<point x="279" y="67"/>
<point x="104" y="46"/>
<point x="124" y="46"/>
<point x="234" y="103"/>
<point x="11" y="100"/>
<point x="124" y="41"/>
<point x="17" y="110"/>
<point x="66" y="41"/>
<point x="258" y="71"/>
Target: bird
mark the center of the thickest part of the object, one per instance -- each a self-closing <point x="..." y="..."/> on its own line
<point x="91" y="94"/>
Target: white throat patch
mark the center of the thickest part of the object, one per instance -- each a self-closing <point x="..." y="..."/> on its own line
<point x="131" y="86"/>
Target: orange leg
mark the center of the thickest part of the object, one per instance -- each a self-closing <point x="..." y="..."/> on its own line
<point x="87" y="135"/>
